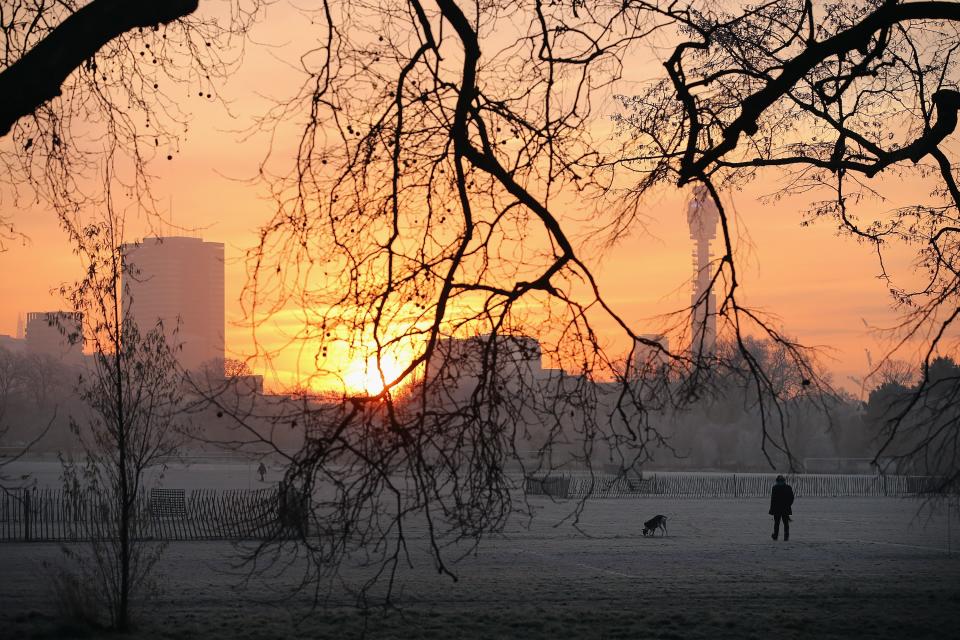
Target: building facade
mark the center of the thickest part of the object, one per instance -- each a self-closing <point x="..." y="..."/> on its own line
<point x="58" y="334"/>
<point x="178" y="281"/>
<point x="647" y="358"/>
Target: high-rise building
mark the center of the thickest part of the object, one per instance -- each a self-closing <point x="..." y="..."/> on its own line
<point x="703" y="216"/>
<point x="178" y="281"/>
<point x="55" y="333"/>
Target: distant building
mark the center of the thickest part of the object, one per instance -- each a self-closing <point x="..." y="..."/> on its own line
<point x="469" y="353"/>
<point x="55" y="333"/>
<point x="178" y="280"/>
<point x="457" y="363"/>
<point x="251" y="384"/>
<point x="648" y="359"/>
<point x="11" y="344"/>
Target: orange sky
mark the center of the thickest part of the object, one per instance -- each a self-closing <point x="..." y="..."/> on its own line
<point x="823" y="287"/>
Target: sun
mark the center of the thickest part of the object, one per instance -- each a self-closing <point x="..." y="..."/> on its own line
<point x="365" y="377"/>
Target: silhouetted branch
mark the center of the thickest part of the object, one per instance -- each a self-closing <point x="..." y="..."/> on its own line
<point x="38" y="75"/>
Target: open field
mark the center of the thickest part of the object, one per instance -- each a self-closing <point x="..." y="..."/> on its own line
<point x="854" y="568"/>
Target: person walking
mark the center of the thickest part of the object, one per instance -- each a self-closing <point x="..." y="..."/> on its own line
<point x="781" y="501"/>
<point x="262" y="470"/>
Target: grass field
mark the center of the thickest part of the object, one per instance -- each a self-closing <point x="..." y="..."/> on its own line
<point x="854" y="568"/>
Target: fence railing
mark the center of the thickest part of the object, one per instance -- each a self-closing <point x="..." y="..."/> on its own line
<point x="48" y="515"/>
<point x="720" y="485"/>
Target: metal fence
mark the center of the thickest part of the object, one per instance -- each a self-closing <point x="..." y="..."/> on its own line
<point x="720" y="485"/>
<point x="48" y="515"/>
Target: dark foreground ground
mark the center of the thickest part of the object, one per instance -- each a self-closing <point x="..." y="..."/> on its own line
<point x="854" y="568"/>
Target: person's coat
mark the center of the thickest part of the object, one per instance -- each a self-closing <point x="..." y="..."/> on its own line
<point x="781" y="499"/>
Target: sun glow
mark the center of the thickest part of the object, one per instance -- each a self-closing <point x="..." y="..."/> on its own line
<point x="370" y="377"/>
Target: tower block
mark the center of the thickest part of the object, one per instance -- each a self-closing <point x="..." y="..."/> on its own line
<point x="702" y="217"/>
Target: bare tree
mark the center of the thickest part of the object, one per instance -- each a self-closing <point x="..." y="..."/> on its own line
<point x="233" y="368"/>
<point x="831" y="97"/>
<point x="11" y="378"/>
<point x="426" y="232"/>
<point x="133" y="390"/>
<point x="51" y="43"/>
<point x="14" y="378"/>
<point x="90" y="88"/>
<point x="916" y="422"/>
<point x="425" y="228"/>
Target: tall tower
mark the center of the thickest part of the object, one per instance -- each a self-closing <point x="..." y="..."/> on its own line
<point x="179" y="281"/>
<point x="702" y="216"/>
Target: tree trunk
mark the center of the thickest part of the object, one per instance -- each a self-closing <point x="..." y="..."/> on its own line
<point x="123" y="608"/>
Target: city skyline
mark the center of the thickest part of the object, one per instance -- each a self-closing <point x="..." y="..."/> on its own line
<point x="861" y="301"/>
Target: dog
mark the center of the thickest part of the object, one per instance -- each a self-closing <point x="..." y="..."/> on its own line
<point x="656" y="522"/>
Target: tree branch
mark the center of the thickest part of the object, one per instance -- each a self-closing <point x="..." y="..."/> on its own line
<point x="38" y="75"/>
<point x="855" y="38"/>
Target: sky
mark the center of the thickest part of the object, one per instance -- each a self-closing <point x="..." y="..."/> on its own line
<point x="823" y="287"/>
